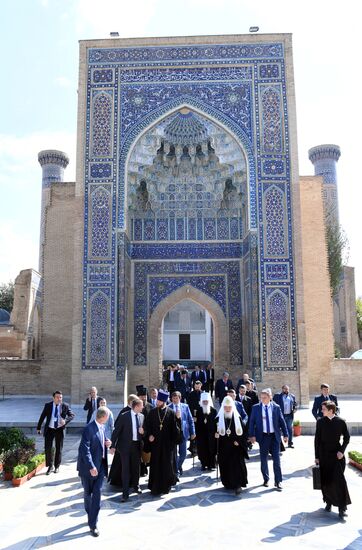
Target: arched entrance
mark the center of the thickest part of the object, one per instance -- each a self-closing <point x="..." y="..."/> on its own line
<point x="154" y="344"/>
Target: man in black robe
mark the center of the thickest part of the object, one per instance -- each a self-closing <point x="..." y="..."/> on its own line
<point x="329" y="454"/>
<point x="231" y="447"/>
<point x="205" y="432"/>
<point x="162" y="434"/>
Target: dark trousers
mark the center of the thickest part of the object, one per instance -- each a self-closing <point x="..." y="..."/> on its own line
<point x="92" y="495"/>
<point x="289" y="422"/>
<point x="131" y="463"/>
<point x="49" y="437"/>
<point x="269" y="443"/>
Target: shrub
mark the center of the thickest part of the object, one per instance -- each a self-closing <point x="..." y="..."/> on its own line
<point x="18" y="456"/>
<point x="10" y="438"/>
<point x="296" y="422"/>
<point x="20" y="470"/>
<point x="355" y="456"/>
<point x="35" y="461"/>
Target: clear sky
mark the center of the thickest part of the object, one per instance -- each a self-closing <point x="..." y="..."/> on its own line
<point x="38" y="92"/>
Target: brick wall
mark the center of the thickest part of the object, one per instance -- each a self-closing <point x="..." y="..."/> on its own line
<point x="21" y="377"/>
<point x="57" y="273"/>
<point x="346" y="376"/>
<point x="317" y="299"/>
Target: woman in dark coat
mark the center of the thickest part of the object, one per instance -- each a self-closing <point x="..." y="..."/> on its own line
<point x="329" y="454"/>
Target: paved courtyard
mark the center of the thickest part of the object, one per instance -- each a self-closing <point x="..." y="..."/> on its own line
<point x="199" y="513"/>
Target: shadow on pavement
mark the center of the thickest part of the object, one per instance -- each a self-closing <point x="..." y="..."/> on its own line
<point x="355" y="544"/>
<point x="300" y="524"/>
<point x="41" y="541"/>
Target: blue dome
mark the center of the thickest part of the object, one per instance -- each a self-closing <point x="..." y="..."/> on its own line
<point x="186" y="129"/>
<point x="4" y="317"/>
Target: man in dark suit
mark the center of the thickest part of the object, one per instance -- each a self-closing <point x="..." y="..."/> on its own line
<point x="153" y="397"/>
<point x="250" y="392"/>
<point x="171" y="377"/>
<point x="222" y="386"/>
<point x="57" y="415"/>
<point x="198" y="374"/>
<point x="248" y="405"/>
<point x="244" y="399"/>
<point x="243" y="380"/>
<point x="210" y="376"/>
<point x="92" y="465"/>
<point x="265" y="426"/>
<point x="92" y="403"/>
<point x="288" y="405"/>
<point x="127" y="440"/>
<point x="183" y="385"/>
<point x="319" y="399"/>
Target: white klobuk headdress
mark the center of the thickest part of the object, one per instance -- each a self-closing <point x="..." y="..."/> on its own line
<point x="228" y="402"/>
<point x="205" y="396"/>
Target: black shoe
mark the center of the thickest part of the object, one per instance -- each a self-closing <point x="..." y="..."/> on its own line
<point x="238" y="491"/>
<point x="49" y="470"/>
<point x="137" y="490"/>
<point x="342" y="513"/>
<point x="266" y="483"/>
<point x="291" y="446"/>
<point x="180" y="472"/>
<point x="94" y="532"/>
<point x="328" y="507"/>
<point x="278" y="486"/>
<point x="124" y="498"/>
<point x="56" y="471"/>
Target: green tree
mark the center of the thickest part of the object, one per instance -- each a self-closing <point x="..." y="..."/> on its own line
<point x="359" y="314"/>
<point x="7" y="296"/>
<point x="337" y="246"/>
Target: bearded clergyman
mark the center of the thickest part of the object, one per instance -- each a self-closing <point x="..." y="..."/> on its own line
<point x="231" y="447"/>
<point x="205" y="432"/>
<point x="162" y="434"/>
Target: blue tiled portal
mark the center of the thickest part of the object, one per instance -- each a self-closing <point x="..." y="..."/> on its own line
<point x="246" y="269"/>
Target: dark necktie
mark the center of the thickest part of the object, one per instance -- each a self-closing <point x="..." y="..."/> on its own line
<point x="267" y="419"/>
<point x="56" y="416"/>
<point x="137" y="428"/>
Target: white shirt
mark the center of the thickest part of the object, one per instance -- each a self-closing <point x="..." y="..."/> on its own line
<point x="287" y="403"/>
<point x="101" y="432"/>
<point x="172" y="375"/>
<point x="134" y="426"/>
<point x="51" y="423"/>
<point x="270" y="415"/>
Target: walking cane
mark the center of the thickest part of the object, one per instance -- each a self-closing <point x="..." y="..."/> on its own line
<point x="217" y="459"/>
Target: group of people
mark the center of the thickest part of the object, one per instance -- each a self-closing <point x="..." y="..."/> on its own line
<point x="151" y="434"/>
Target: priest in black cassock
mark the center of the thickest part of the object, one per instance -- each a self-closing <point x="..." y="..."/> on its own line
<point x="205" y="432"/>
<point x="162" y="434"/>
<point x="329" y="454"/>
<point x="231" y="447"/>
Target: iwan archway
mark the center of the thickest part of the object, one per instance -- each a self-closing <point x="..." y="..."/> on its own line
<point x="155" y="336"/>
<point x="187" y="182"/>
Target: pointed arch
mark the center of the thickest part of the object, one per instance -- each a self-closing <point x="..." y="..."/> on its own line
<point x="204" y="110"/>
<point x="154" y="337"/>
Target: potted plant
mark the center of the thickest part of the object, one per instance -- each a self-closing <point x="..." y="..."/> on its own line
<point x="24" y="472"/>
<point x="297" y="428"/>
<point x="20" y="474"/>
<point x="17" y="456"/>
<point x="355" y="459"/>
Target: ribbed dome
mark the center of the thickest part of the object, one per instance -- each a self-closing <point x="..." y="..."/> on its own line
<point x="4" y="317"/>
<point x="185" y="129"/>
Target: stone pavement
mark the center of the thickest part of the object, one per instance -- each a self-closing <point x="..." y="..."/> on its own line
<point x="199" y="513"/>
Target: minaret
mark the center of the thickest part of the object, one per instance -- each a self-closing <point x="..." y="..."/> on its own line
<point x="53" y="164"/>
<point x="324" y="159"/>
